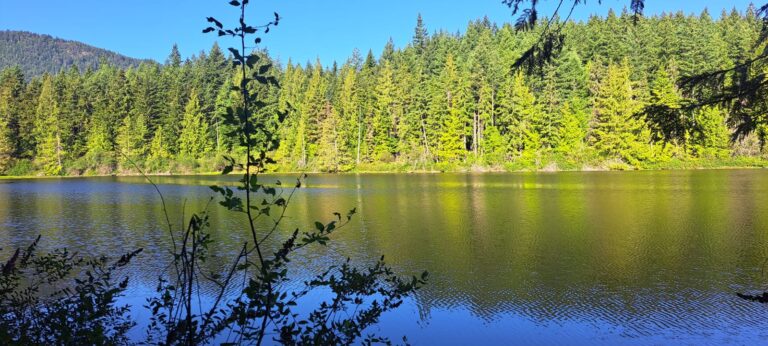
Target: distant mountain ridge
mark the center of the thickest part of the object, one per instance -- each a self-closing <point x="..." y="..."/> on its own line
<point x="39" y="53"/>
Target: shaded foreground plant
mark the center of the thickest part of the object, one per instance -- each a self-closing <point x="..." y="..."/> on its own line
<point x="62" y="298"/>
<point x="263" y="307"/>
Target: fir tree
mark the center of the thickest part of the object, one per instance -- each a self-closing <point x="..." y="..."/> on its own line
<point x="349" y="114"/>
<point x="449" y="109"/>
<point x="574" y="129"/>
<point x="711" y="139"/>
<point x="131" y="141"/>
<point x="194" y="141"/>
<point x="420" y="36"/>
<point x="11" y="90"/>
<point x="328" y="147"/>
<point x="50" y="150"/>
<point x="159" y="156"/>
<point x="524" y="120"/>
<point x="383" y="142"/>
<point x="617" y="133"/>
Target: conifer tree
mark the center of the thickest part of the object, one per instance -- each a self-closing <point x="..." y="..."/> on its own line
<point x="159" y="156"/>
<point x="73" y="112"/>
<point x="131" y="141"/>
<point x="175" y="93"/>
<point x="7" y="147"/>
<point x="349" y="116"/>
<point x="665" y="95"/>
<point x="194" y="141"/>
<point x="449" y="104"/>
<point x="494" y="148"/>
<point x="100" y="145"/>
<point x="308" y="133"/>
<point x="711" y="139"/>
<point x="418" y="110"/>
<point x="383" y="142"/>
<point x="663" y="90"/>
<point x="27" y="140"/>
<point x="525" y="120"/>
<point x="293" y="131"/>
<point x="367" y="101"/>
<point x="11" y="89"/>
<point x="617" y="133"/>
<point x="328" y="146"/>
<point x="50" y="149"/>
<point x="146" y="94"/>
<point x="548" y="126"/>
<point x="99" y="137"/>
<point x="482" y="79"/>
<point x="420" y="36"/>
<point x="225" y="98"/>
<point x="574" y="129"/>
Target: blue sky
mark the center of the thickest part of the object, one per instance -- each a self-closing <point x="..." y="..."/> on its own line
<point x="328" y="29"/>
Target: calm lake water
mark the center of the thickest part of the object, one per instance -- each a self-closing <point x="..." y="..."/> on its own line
<point x="558" y="258"/>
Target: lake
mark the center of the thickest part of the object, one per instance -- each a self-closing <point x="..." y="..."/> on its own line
<point x="545" y="258"/>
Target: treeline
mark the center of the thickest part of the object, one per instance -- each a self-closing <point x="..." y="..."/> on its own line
<point x="445" y="101"/>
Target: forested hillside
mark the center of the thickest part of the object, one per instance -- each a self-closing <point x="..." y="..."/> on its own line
<point x="37" y="54"/>
<point x="446" y="101"/>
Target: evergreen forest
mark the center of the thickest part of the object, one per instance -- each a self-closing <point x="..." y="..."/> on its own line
<point x="446" y="101"/>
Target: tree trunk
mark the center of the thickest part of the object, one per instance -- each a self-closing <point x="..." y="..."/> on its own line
<point x="359" y="135"/>
<point x="475" y="128"/>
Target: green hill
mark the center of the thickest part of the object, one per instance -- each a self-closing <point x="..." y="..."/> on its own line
<point x="37" y="54"/>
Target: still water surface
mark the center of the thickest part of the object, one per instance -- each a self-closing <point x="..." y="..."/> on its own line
<point x="561" y="258"/>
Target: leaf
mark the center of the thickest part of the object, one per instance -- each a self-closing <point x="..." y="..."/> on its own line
<point x="257" y="40"/>
<point x="252" y="59"/>
<point x="232" y="203"/>
<point x="208" y="29"/>
<point x="215" y="22"/>
<point x="227" y="169"/>
<point x="236" y="53"/>
<point x="234" y="3"/>
<point x="264" y="68"/>
<point x="320" y="227"/>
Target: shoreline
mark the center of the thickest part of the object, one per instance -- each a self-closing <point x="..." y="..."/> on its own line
<point x="469" y="170"/>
